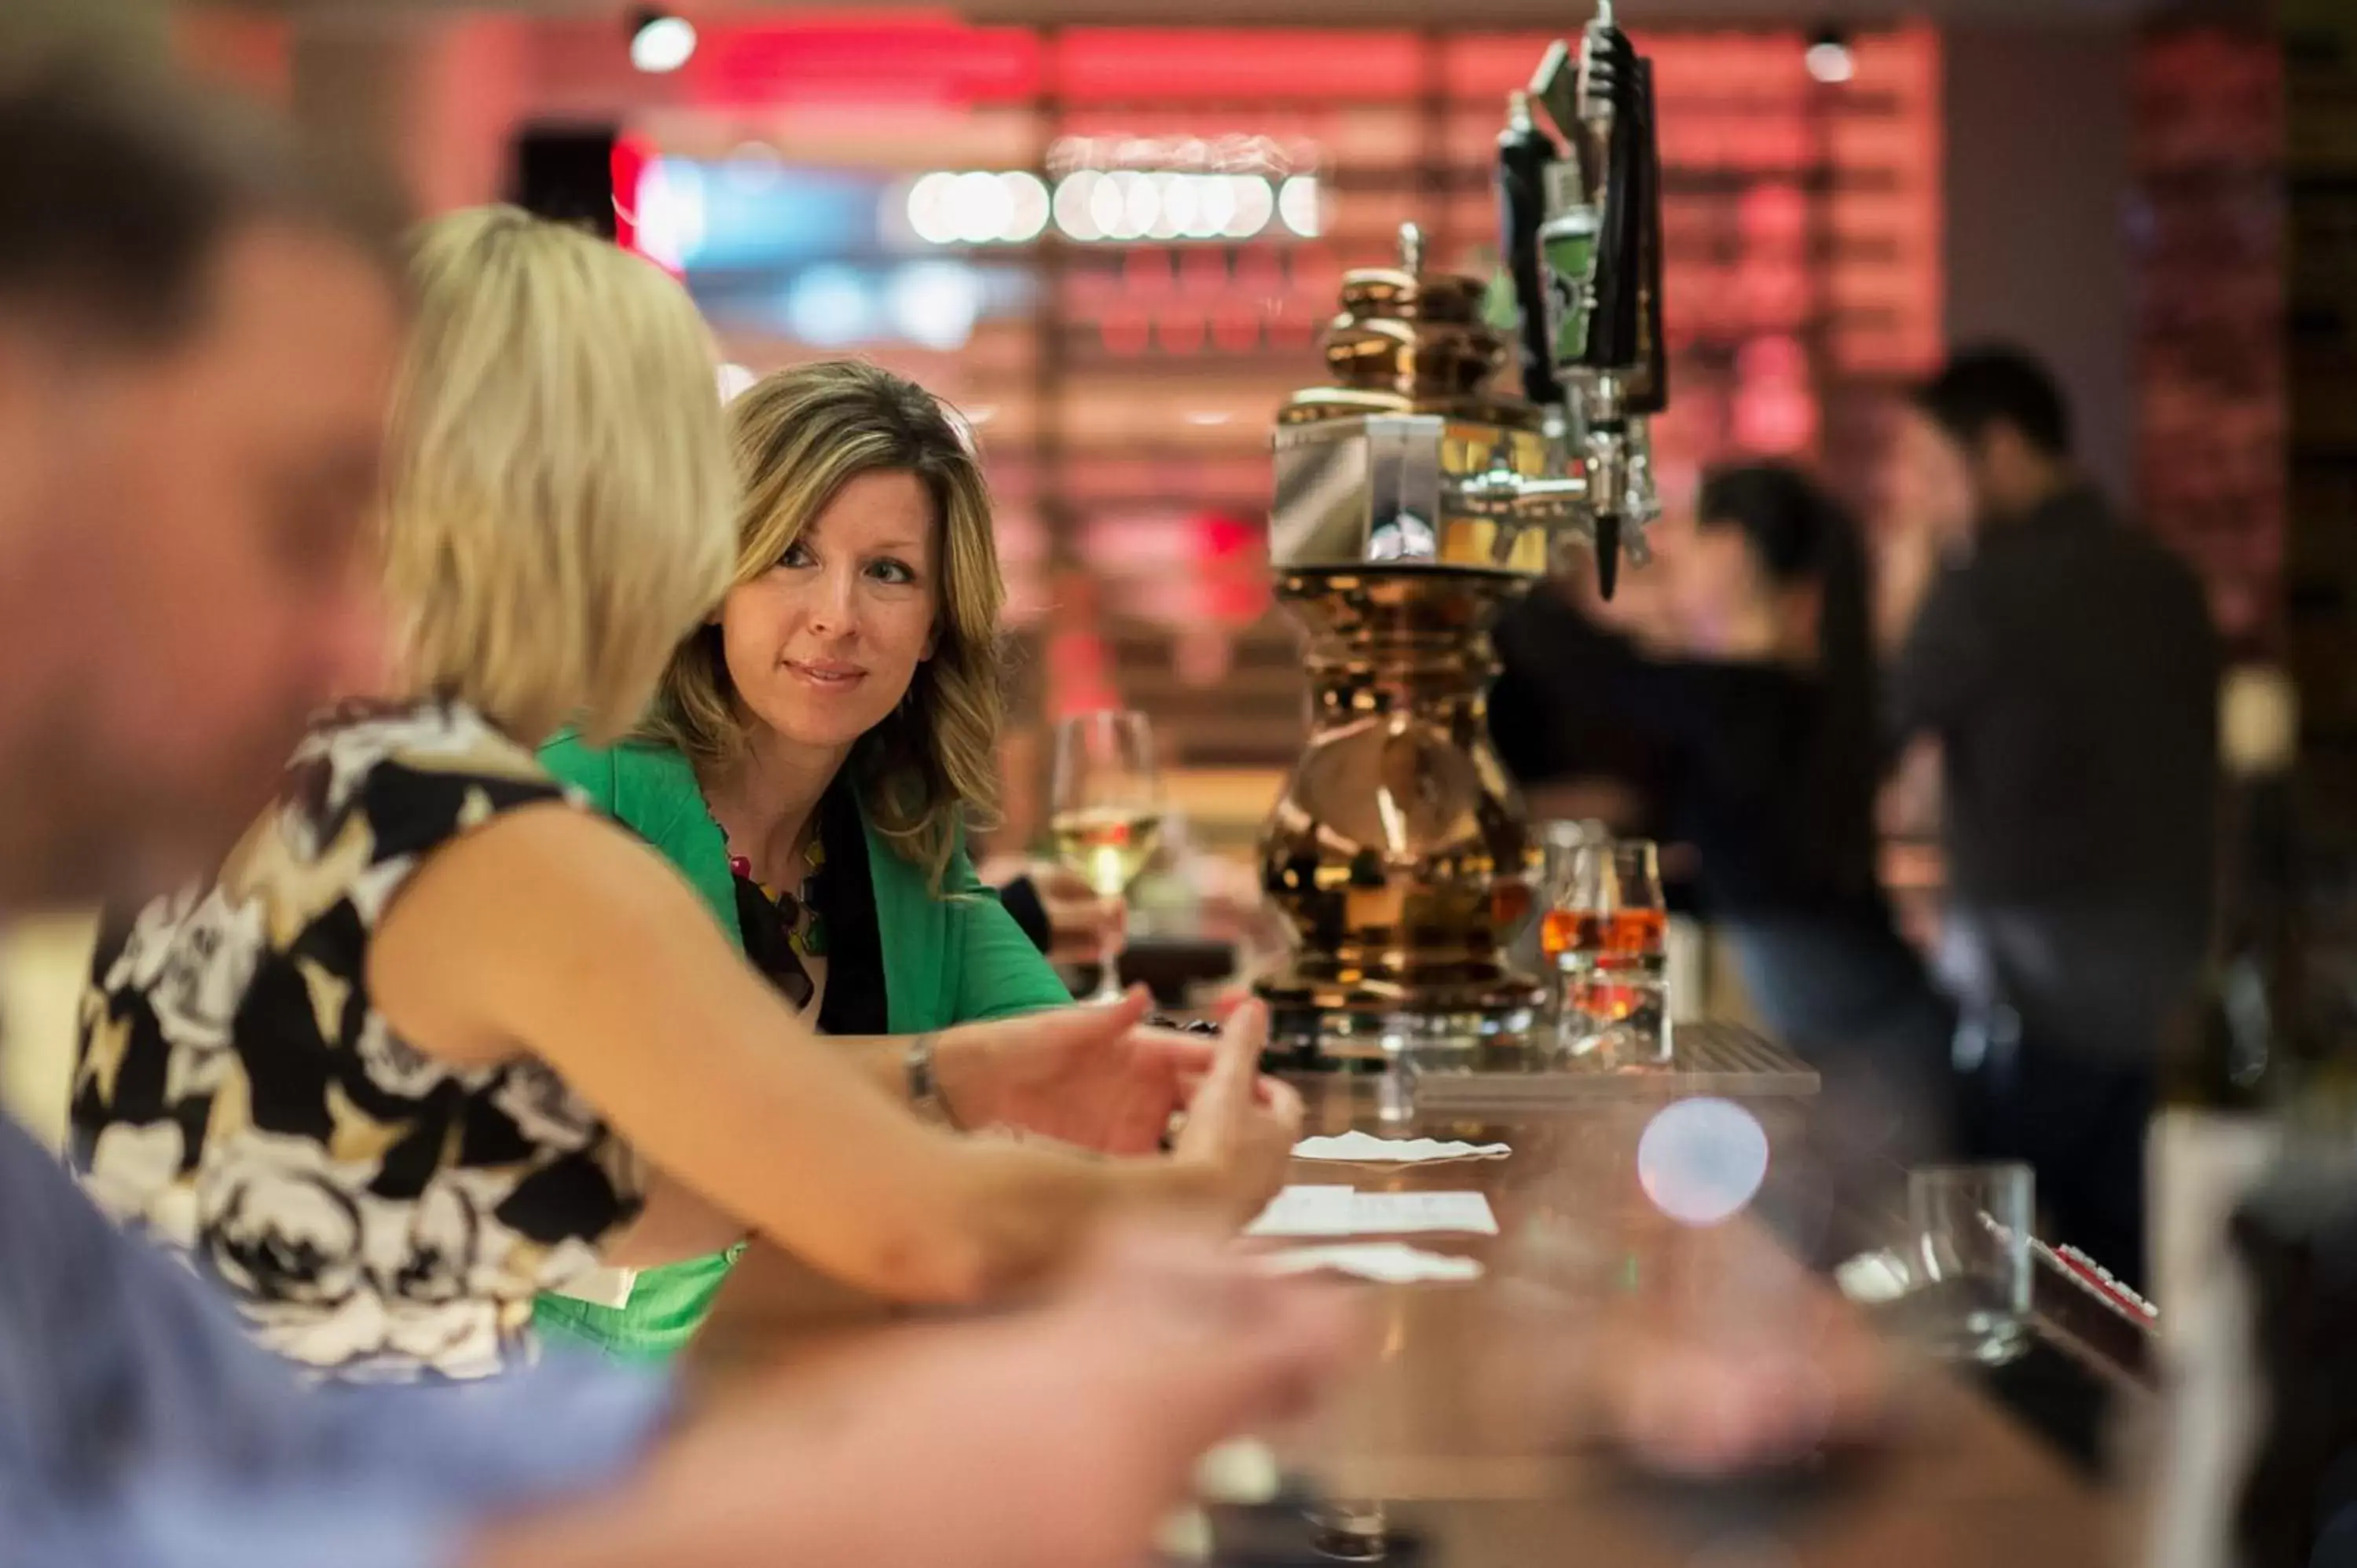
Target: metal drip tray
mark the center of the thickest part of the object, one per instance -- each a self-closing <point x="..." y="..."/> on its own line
<point x="1495" y="1070"/>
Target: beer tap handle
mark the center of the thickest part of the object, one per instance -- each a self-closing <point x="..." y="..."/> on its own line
<point x="1609" y="103"/>
<point x="1525" y="153"/>
<point x="1650" y="394"/>
<point x="1554" y="87"/>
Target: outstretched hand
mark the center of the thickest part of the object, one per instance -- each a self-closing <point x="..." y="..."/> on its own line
<point x="1096" y="1077"/>
<point x="1239" y="1124"/>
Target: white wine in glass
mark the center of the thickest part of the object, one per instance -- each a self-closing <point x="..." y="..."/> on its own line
<point x="1106" y="846"/>
<point x="1105" y="812"/>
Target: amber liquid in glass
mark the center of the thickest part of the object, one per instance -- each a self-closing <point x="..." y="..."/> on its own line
<point x="1623" y="933"/>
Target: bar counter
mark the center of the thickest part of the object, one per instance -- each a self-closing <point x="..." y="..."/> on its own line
<point x="1484" y="1432"/>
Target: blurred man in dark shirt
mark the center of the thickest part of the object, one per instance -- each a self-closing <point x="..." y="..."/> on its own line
<point x="2067" y="667"/>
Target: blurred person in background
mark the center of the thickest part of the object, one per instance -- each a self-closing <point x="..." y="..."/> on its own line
<point x="815" y="752"/>
<point x="1759" y="691"/>
<point x="436" y="1037"/>
<point x="197" y="327"/>
<point x="2068" y="670"/>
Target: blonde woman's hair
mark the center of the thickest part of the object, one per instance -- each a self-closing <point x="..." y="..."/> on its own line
<point x="558" y="484"/>
<point x="932" y="767"/>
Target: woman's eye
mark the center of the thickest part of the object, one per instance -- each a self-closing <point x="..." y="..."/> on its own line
<point x="893" y="571"/>
<point x="797" y="555"/>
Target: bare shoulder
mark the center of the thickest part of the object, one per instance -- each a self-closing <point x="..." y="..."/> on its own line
<point x="519" y="902"/>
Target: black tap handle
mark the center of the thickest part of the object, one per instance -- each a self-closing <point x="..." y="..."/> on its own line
<point x="1523" y="154"/>
<point x="1650" y="394"/>
<point x="1619" y="252"/>
<point x="1607" y="552"/>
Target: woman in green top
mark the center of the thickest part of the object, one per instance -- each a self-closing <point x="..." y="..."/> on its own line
<point x="814" y="753"/>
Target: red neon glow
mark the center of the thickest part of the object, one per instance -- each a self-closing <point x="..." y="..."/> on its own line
<point x="632" y="155"/>
<point x="865" y="56"/>
<point x="1099" y="65"/>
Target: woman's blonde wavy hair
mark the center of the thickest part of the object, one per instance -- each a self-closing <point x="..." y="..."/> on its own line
<point x="931" y="767"/>
<point x="558" y="488"/>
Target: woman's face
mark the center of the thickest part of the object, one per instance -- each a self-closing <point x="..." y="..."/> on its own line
<point x="823" y="646"/>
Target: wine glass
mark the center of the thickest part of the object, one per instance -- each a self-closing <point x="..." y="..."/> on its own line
<point x="1106" y="813"/>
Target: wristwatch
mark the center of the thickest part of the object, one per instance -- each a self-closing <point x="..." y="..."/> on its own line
<point x="924" y="1088"/>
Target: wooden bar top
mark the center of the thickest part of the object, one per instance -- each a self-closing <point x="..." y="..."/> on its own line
<point x="1486" y="1420"/>
<point x="1472" y="1424"/>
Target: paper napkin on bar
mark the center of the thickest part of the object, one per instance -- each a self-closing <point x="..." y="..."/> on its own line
<point x="1392" y="1262"/>
<point x="1342" y="1211"/>
<point x="1366" y="1149"/>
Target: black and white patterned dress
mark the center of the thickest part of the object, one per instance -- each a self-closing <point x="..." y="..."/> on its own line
<point x="375" y="1213"/>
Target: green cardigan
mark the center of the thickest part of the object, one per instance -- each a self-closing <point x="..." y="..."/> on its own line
<point x="953" y="958"/>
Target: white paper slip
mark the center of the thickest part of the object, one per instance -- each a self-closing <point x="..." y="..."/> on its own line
<point x="1340" y="1211"/>
<point x="1366" y="1149"/>
<point x="1400" y="1213"/>
<point x="1391" y="1263"/>
<point x="1306" y="1211"/>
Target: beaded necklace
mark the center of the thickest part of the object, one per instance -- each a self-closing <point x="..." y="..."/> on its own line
<point x="782" y="928"/>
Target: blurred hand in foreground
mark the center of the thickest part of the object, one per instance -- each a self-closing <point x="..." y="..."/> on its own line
<point x="1057" y="1438"/>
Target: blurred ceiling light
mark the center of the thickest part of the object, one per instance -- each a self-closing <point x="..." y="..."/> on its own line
<point x="1255" y="202"/>
<point x="929" y="208"/>
<point x="1144" y="196"/>
<point x="829" y="306"/>
<point x="1215" y="207"/>
<point x="981" y="208"/>
<point x="671" y="212"/>
<point x="661" y="42"/>
<point x="1015" y="207"/>
<point x="936" y="303"/>
<point x="1177" y="192"/>
<point x="1298" y="203"/>
<point x="1075" y="213"/>
<point x="1828" y="58"/>
<point x="1208" y="417"/>
<point x="1026" y="206"/>
<point x="1109" y="208"/>
<point x="1702" y="1160"/>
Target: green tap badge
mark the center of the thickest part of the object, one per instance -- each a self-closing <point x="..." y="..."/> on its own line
<point x="1568" y="253"/>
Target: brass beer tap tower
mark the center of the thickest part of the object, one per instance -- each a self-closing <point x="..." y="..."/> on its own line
<point x="1413" y="498"/>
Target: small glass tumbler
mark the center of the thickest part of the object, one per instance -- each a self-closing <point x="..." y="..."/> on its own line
<point x="1969" y="1261"/>
<point x="1608" y="936"/>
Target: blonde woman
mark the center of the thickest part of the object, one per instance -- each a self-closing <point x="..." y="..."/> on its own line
<point x="419" y="1050"/>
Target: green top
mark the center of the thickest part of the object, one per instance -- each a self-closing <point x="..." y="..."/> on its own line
<point x="953" y="958"/>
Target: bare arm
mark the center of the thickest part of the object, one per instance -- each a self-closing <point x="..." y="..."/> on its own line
<point x="556" y="932"/>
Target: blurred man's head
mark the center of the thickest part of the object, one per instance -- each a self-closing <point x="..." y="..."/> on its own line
<point x="197" y="329"/>
<point x="1986" y="440"/>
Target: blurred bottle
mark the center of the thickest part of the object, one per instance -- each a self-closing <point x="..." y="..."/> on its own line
<point x="2260" y="1072"/>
